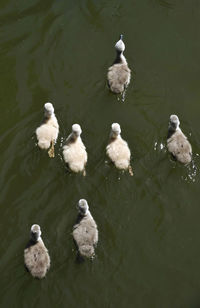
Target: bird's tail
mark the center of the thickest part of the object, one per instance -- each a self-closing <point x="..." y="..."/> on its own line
<point x="87" y="251"/>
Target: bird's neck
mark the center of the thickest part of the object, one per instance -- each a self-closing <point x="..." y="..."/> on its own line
<point x="114" y="136"/>
<point x="120" y="58"/>
<point x="72" y="138"/>
<point x="172" y="130"/>
<point x="36" y="240"/>
<point x="48" y="116"/>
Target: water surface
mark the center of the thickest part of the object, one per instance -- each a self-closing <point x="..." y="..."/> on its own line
<point x="59" y="51"/>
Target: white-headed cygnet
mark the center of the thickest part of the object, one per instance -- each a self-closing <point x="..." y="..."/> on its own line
<point x="177" y="143"/>
<point x="74" y="151"/>
<point x="47" y="133"/>
<point x="119" y="74"/>
<point x="118" y="150"/>
<point x="36" y="257"/>
<point x="85" y="232"/>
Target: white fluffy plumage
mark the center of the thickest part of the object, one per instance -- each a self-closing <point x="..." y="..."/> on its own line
<point x="47" y="133"/>
<point x="74" y="151"/>
<point x="117" y="149"/>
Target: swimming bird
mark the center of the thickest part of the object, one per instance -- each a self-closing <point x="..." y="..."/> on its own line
<point x="177" y="143"/>
<point x="74" y="151"/>
<point x="85" y="232"/>
<point x="119" y="74"/>
<point x="47" y="133"/>
<point x="118" y="150"/>
<point x="36" y="256"/>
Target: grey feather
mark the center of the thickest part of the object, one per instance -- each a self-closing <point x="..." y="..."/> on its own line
<point x="177" y="143"/>
<point x="179" y="147"/>
<point x="119" y="74"/>
<point x="36" y="258"/>
<point x="85" y="234"/>
<point x="118" y="77"/>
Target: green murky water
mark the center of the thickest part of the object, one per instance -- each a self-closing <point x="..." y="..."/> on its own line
<point x="148" y="253"/>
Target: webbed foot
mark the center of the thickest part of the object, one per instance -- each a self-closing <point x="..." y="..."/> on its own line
<point x="130" y="170"/>
<point x="51" y="151"/>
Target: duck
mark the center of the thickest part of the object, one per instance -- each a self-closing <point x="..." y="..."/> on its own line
<point x="177" y="143"/>
<point x="118" y="150"/>
<point x="47" y="132"/>
<point x="119" y="74"/>
<point x="36" y="256"/>
<point x="85" y="232"/>
<point x="74" y="151"/>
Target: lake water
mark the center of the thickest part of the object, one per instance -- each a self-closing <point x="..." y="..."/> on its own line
<point x="148" y="253"/>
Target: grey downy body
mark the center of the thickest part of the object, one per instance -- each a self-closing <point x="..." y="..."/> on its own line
<point x="85" y="232"/>
<point x="119" y="74"/>
<point x="36" y="256"/>
<point x="177" y="143"/>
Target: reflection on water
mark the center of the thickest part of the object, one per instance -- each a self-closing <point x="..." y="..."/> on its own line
<point x="192" y="170"/>
<point x="159" y="146"/>
<point x="165" y="4"/>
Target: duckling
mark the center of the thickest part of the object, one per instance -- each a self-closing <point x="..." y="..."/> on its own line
<point x="36" y="257"/>
<point x="118" y="150"/>
<point x="47" y="133"/>
<point x="177" y="143"/>
<point x="119" y="74"/>
<point x="74" y="151"/>
<point x="85" y="232"/>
